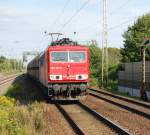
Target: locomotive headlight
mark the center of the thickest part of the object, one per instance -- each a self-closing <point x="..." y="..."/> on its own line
<point x="56" y="77"/>
<point x="52" y="77"/>
<point x="82" y="77"/>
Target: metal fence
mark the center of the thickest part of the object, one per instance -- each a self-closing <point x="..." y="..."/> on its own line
<point x="131" y="76"/>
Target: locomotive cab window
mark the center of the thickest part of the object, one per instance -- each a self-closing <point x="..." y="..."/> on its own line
<point x="76" y="56"/>
<point x="59" y="56"/>
<point x="68" y="56"/>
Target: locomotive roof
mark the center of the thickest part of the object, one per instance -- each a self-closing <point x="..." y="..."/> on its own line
<point x="68" y="46"/>
<point x="65" y="43"/>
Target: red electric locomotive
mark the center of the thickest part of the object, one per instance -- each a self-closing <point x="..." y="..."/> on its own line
<point x="63" y="69"/>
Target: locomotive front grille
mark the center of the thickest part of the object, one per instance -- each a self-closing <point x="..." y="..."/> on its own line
<point x="67" y="90"/>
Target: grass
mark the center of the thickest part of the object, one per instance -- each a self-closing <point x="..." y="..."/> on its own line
<point x="14" y="90"/>
<point x="23" y="92"/>
<point x="11" y="72"/>
<point x="20" y="113"/>
<point x="93" y="82"/>
<point x="17" y="119"/>
<point x="113" y="88"/>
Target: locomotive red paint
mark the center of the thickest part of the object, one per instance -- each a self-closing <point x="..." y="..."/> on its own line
<point x="63" y="69"/>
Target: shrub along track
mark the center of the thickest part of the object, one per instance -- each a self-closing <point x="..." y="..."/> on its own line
<point x="133" y="122"/>
<point x="86" y="121"/>
<point x="29" y="93"/>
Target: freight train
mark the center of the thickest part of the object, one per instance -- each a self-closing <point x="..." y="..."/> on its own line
<point x="63" y="69"/>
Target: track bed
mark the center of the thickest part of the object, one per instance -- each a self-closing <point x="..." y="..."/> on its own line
<point x="134" y="123"/>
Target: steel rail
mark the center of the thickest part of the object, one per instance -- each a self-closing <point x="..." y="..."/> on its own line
<point x="122" y="98"/>
<point x="122" y="106"/>
<point x="116" y="128"/>
<point x="7" y="80"/>
<point x="72" y="123"/>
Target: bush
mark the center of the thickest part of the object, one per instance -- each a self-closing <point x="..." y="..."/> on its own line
<point x="7" y="102"/>
<point x="94" y="82"/>
<point x="9" y="65"/>
<point x="20" y="120"/>
<point x="7" y="125"/>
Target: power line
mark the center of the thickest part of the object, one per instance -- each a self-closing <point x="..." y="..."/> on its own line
<point x="61" y="13"/>
<point x="75" y="14"/>
<point x="120" y="7"/>
<point x="109" y="29"/>
<point x="118" y="25"/>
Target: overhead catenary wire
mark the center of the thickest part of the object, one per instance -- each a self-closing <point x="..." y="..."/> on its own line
<point x="113" y="27"/>
<point x="120" y="7"/>
<point x="118" y="25"/>
<point x="121" y="24"/>
<point x="75" y="14"/>
<point x="61" y="13"/>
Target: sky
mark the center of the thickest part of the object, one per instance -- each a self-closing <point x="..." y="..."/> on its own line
<point x="23" y="22"/>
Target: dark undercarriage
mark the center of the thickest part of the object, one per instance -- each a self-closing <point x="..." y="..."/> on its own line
<point x="67" y="91"/>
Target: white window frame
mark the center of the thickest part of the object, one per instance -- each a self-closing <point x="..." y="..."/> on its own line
<point x="68" y="52"/>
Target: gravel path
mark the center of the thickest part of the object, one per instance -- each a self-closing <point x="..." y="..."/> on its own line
<point x="134" y="123"/>
<point x="87" y="122"/>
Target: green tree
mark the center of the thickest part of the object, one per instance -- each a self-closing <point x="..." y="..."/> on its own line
<point x="134" y="37"/>
<point x="95" y="59"/>
<point x="114" y="57"/>
<point x="8" y="65"/>
<point x="2" y="59"/>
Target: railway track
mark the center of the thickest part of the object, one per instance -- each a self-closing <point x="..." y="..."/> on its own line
<point x="122" y="98"/>
<point x="85" y="121"/>
<point x="7" y="79"/>
<point x="135" y="107"/>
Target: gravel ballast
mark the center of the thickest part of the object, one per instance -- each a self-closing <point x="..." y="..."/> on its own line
<point x="132" y="122"/>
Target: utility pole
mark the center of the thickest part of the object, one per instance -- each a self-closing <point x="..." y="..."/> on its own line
<point x="143" y="85"/>
<point x="104" y="45"/>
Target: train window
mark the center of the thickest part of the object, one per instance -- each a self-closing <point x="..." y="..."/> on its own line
<point x="76" y="56"/>
<point x="59" y="56"/>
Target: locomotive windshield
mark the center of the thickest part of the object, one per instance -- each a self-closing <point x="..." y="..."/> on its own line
<point x="68" y="56"/>
<point x="59" y="56"/>
<point x="76" y="56"/>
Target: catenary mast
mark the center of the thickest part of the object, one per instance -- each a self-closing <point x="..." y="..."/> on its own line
<point x="104" y="45"/>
